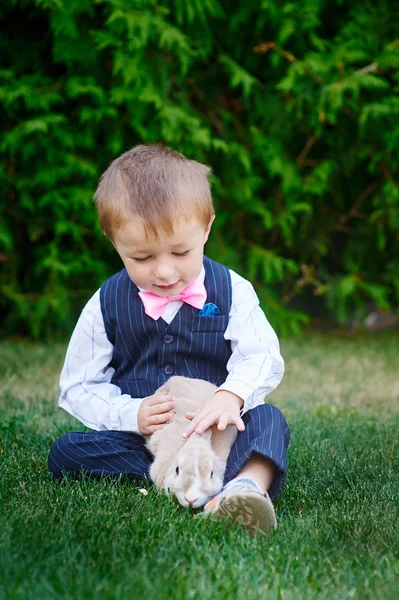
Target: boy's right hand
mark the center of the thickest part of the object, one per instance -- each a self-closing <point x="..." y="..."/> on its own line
<point x="155" y="412"/>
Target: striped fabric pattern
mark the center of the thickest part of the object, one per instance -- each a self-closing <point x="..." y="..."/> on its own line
<point x="266" y="432"/>
<point x="147" y="352"/>
<point x="115" y="453"/>
<point x="100" y="453"/>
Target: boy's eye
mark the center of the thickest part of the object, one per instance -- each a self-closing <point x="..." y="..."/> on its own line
<point x="178" y="254"/>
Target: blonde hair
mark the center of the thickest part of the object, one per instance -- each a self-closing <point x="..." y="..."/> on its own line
<point x="155" y="185"/>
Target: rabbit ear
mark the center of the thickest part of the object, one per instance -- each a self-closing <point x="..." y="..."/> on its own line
<point x="153" y="442"/>
<point x="158" y="471"/>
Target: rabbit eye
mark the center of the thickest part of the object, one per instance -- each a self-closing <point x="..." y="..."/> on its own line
<point x="177" y="470"/>
<point x="211" y="475"/>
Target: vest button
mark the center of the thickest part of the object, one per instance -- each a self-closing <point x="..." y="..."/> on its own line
<point x="168" y="369"/>
<point x="168" y="339"/>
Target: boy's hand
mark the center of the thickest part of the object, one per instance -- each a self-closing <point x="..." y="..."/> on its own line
<point x="155" y="412"/>
<point x="222" y="409"/>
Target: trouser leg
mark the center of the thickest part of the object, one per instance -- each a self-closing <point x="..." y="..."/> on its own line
<point x="266" y="432"/>
<point x="100" y="453"/>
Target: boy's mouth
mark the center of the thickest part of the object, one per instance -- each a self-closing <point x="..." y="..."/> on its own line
<point x="167" y="287"/>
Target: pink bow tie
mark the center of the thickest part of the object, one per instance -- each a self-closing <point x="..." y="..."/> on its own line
<point x="194" y="294"/>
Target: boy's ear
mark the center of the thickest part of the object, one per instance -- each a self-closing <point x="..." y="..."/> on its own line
<point x="208" y="227"/>
<point x="110" y="239"/>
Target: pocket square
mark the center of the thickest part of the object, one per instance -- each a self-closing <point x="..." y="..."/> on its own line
<point x="209" y="310"/>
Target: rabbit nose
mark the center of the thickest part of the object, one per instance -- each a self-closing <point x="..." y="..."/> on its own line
<point x="190" y="502"/>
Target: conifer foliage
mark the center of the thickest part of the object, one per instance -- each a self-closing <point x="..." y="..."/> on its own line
<point x="295" y="105"/>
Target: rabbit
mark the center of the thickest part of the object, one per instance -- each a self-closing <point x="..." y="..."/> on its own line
<point x="191" y="469"/>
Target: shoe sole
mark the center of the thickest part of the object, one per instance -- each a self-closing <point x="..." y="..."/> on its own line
<point x="253" y="511"/>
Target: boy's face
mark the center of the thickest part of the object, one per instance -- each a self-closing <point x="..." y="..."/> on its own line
<point x="167" y="265"/>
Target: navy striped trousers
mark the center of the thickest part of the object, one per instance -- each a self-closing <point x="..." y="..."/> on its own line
<point x="115" y="453"/>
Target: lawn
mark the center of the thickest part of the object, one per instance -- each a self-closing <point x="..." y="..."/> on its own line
<point x="338" y="534"/>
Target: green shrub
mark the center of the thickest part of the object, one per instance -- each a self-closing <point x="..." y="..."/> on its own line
<point x="295" y="106"/>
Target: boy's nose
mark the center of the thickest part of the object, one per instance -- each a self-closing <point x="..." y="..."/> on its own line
<point x="164" y="271"/>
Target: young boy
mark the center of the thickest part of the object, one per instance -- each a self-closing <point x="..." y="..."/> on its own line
<point x="171" y="311"/>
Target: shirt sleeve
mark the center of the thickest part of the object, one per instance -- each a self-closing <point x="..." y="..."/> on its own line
<point x="256" y="366"/>
<point x="86" y="391"/>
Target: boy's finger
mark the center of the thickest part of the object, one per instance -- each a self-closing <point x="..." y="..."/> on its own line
<point x="157" y="409"/>
<point x="191" y="415"/>
<point x="154" y="428"/>
<point x="239" y="424"/>
<point x="160" y="398"/>
<point x="157" y="419"/>
<point x="200" y="424"/>
<point x="205" y="423"/>
<point x="191" y="427"/>
<point x="223" y="422"/>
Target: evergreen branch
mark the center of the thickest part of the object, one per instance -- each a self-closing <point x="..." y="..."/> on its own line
<point x="50" y="88"/>
<point x="336" y="228"/>
<point x="305" y="150"/>
<point x="353" y="211"/>
<point x="217" y="122"/>
<point x="131" y="73"/>
<point x="368" y="69"/>
<point x="80" y="293"/>
<point x="266" y="46"/>
<point x="310" y="162"/>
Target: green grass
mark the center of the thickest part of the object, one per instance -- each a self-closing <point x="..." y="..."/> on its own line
<point x="338" y="533"/>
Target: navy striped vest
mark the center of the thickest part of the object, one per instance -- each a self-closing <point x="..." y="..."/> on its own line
<point x="147" y="352"/>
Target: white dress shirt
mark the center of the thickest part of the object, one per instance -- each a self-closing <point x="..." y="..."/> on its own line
<point x="255" y="367"/>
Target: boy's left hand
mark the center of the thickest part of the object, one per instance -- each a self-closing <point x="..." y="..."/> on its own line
<point x="222" y="409"/>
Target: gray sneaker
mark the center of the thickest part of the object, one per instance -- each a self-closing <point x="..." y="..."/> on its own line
<point x="240" y="502"/>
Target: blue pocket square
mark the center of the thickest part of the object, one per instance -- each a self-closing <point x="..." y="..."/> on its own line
<point x="209" y="310"/>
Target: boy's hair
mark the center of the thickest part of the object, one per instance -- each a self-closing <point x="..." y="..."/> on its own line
<point x="155" y="186"/>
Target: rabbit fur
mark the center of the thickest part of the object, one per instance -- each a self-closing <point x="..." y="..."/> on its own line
<point x="192" y="469"/>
